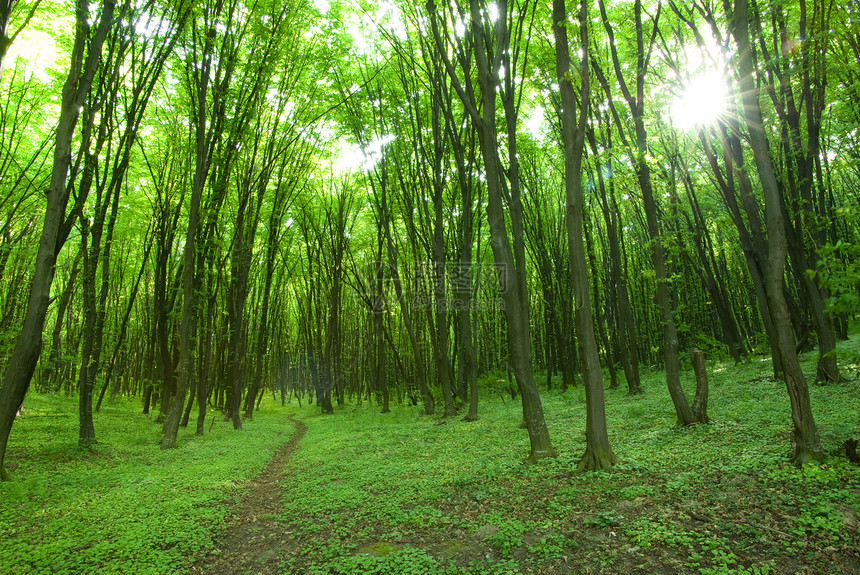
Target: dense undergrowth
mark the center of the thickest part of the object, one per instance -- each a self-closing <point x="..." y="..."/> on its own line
<point x="403" y="493"/>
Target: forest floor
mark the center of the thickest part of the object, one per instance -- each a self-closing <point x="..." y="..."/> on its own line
<point x="254" y="539"/>
<point x="400" y="493"/>
<point x="362" y="492"/>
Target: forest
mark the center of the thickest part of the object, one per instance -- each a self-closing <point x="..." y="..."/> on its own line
<point x="511" y="286"/>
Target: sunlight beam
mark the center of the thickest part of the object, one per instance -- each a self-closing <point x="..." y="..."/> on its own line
<point x="701" y="102"/>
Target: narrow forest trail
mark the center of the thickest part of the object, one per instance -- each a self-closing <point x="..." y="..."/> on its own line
<point x="255" y="540"/>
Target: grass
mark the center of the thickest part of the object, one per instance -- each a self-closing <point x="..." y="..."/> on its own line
<point x="123" y="506"/>
<point x="402" y="493"/>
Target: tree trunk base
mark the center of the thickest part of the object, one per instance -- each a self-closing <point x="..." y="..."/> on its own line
<point x="685" y="423"/>
<point x="596" y="460"/>
<point x="803" y="456"/>
<point x="802" y="453"/>
<point x="4" y="473"/>
<point x="827" y="371"/>
<point x="471" y="417"/>
<point x="850" y="446"/>
<point x="536" y="455"/>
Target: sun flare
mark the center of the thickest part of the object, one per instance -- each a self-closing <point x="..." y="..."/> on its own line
<point x="703" y="99"/>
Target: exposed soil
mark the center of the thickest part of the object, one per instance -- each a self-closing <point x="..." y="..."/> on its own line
<point x="255" y="541"/>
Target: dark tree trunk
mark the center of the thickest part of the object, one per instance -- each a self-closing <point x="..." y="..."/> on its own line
<point x="625" y="322"/>
<point x="700" y="401"/>
<point x="125" y="319"/>
<point x="806" y="443"/>
<point x="377" y="314"/>
<point x="51" y="373"/>
<point x="598" y="453"/>
<point x="639" y="148"/>
<point x="22" y="362"/>
<point x="509" y="260"/>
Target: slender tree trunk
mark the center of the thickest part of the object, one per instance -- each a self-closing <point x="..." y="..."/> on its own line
<point x="598" y="453"/>
<point x="89" y="246"/>
<point x="125" y="319"/>
<point x="204" y="385"/>
<point x="378" y="317"/>
<point x="513" y="289"/>
<point x="52" y="371"/>
<point x="807" y="446"/>
<point x="636" y="103"/>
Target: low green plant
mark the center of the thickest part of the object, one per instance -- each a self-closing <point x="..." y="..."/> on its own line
<point x="453" y="497"/>
<point x="549" y="547"/>
<point x="123" y="505"/>
<point x="605" y="518"/>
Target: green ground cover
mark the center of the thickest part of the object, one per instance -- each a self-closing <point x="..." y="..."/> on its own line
<point x="400" y="493"/>
<point x="403" y="493"/>
<point x="123" y="506"/>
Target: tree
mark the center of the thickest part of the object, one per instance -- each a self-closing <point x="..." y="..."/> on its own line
<point x="90" y="33"/>
<point x="598" y="453"/>
<point x="805" y="436"/>
<point x="6" y="39"/>
<point x="618" y="296"/>
<point x="209" y="64"/>
<point x="121" y="103"/>
<point x="495" y="45"/>
<point x="638" y="149"/>
<point x="807" y="205"/>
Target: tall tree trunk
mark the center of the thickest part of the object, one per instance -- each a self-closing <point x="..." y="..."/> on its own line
<point x="51" y="373"/>
<point x="187" y="321"/>
<point x="639" y="149"/>
<point x="807" y="446"/>
<point x="55" y="229"/>
<point x="598" y="453"/>
<point x="378" y="318"/>
<point x="125" y="319"/>
<point x="624" y="321"/>
<point x="509" y="260"/>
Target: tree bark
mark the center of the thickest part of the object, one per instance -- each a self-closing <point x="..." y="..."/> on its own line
<point x="509" y="261"/>
<point x="700" y="401"/>
<point x="22" y="363"/>
<point x="636" y="103"/>
<point x="51" y="373"/>
<point x="598" y="453"/>
<point x="807" y="446"/>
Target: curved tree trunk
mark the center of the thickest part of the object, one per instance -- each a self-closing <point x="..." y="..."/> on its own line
<point x="807" y="446"/>
<point x="638" y="149"/>
<point x="22" y="362"/>
<point x="509" y="260"/>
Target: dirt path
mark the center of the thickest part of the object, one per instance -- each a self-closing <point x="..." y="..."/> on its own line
<point x="255" y="540"/>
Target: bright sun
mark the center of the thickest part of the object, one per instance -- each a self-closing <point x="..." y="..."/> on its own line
<point x="702" y="101"/>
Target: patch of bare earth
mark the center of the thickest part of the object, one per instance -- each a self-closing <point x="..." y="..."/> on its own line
<point x="255" y="541"/>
